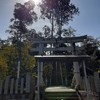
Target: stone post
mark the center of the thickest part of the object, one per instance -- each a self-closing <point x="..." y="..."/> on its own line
<point x="12" y="86"/>
<point x="76" y="67"/>
<point x="22" y="85"/>
<point x="6" y="85"/>
<point x="16" y="86"/>
<point x="27" y="82"/>
<point x="76" y="73"/>
<point x="97" y="81"/>
<point x="1" y="82"/>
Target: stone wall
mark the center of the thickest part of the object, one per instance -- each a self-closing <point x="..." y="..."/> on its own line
<point x="17" y="89"/>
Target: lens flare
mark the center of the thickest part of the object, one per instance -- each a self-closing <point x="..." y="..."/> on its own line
<point x="36" y="1"/>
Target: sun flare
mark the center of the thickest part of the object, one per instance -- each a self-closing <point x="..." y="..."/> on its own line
<point x="36" y="1"/>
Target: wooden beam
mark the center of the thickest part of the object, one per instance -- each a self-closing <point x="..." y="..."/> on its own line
<point x="58" y="40"/>
<point x="61" y="58"/>
<point x="58" y="49"/>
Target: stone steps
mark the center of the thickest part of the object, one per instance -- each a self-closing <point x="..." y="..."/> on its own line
<point x="61" y="96"/>
<point x="67" y="94"/>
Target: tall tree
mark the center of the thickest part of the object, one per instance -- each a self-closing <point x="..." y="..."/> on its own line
<point x="92" y="46"/>
<point x="3" y="66"/>
<point x="60" y="11"/>
<point x="24" y="16"/>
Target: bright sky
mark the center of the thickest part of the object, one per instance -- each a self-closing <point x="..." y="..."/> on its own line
<point x="87" y="23"/>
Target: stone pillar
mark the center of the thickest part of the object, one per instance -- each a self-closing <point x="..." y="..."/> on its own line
<point x="12" y="86"/>
<point x="1" y="82"/>
<point x="22" y="85"/>
<point x="86" y="81"/>
<point x="41" y="51"/>
<point x="38" y="82"/>
<point x="18" y="70"/>
<point x="6" y="85"/>
<point x="82" y="84"/>
<point x="16" y="86"/>
<point x="27" y="82"/>
<point x="76" y="66"/>
<point x="41" y="74"/>
<point x="97" y="81"/>
<point x="76" y="73"/>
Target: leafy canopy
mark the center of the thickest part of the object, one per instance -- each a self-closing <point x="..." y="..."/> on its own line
<point x="9" y="61"/>
<point x="62" y="10"/>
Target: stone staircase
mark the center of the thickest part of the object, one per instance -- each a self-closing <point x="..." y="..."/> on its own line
<point x="60" y="94"/>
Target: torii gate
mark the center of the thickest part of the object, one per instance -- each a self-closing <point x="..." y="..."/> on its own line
<point x="73" y="48"/>
<point x="72" y="40"/>
<point x="61" y="58"/>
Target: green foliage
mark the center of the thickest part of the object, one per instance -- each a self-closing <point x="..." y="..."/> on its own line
<point x="25" y="12"/>
<point x="28" y="62"/>
<point x="24" y="16"/>
<point x="11" y="55"/>
<point x="70" y="32"/>
<point x="92" y="46"/>
<point x="47" y="69"/>
<point x="62" y="10"/>
<point x="3" y="67"/>
<point x="59" y="13"/>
